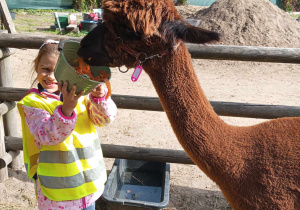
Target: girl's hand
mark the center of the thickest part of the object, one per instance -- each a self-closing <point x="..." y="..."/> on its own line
<point x="99" y="91"/>
<point x="69" y="98"/>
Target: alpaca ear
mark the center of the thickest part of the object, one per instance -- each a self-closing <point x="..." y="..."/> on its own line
<point x="179" y="30"/>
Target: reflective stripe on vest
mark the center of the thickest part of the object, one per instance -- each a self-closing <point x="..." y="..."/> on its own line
<point x="72" y="169"/>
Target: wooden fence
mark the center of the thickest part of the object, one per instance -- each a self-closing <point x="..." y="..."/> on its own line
<point x="10" y="144"/>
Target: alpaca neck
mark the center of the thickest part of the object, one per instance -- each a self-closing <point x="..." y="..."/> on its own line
<point x="197" y="127"/>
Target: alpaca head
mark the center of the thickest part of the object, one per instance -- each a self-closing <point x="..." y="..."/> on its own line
<point x="147" y="27"/>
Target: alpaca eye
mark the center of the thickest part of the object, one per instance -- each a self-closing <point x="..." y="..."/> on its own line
<point x="130" y="32"/>
<point x="127" y="33"/>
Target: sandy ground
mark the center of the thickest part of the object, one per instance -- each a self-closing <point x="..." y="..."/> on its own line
<point x="231" y="81"/>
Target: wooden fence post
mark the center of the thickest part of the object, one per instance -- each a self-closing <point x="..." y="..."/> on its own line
<point x="3" y="169"/>
<point x="10" y="118"/>
<point x="5" y="15"/>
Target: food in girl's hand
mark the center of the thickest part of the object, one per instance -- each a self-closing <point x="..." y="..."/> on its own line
<point x="83" y="68"/>
<point x="108" y="87"/>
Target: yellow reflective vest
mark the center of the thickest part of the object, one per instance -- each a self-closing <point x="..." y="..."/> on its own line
<point x="72" y="169"/>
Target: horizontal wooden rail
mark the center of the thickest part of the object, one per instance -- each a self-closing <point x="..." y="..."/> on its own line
<point x="8" y="158"/>
<point x="123" y="152"/>
<point x="153" y="104"/>
<point x="215" y="52"/>
<point x="24" y="41"/>
<point x="6" y="106"/>
<point x="245" y="53"/>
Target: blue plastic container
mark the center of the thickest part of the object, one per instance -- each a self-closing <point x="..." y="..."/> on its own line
<point x="88" y="25"/>
<point x="136" y="184"/>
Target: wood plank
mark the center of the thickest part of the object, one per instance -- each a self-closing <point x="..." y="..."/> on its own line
<point x="214" y="52"/>
<point x="71" y="27"/>
<point x="3" y="170"/>
<point x="6" y="17"/>
<point x="232" y="109"/>
<point x="245" y="53"/>
<point x="8" y="158"/>
<point x="124" y="152"/>
<point x="6" y="106"/>
<point x="22" y="41"/>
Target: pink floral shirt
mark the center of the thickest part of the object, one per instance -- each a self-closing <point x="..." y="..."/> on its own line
<point x="53" y="129"/>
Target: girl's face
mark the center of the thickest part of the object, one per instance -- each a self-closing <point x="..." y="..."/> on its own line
<point x="45" y="72"/>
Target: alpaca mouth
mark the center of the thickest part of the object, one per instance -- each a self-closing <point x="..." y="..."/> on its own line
<point x="93" y="52"/>
<point x="94" y="59"/>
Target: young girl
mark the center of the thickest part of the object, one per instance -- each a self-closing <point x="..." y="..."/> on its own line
<point x="62" y="151"/>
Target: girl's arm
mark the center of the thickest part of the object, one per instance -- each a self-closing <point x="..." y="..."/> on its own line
<point x="49" y="129"/>
<point x="101" y="111"/>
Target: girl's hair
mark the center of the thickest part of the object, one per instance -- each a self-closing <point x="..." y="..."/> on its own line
<point x="48" y="47"/>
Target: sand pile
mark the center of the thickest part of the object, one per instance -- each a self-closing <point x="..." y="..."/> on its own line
<point x="252" y="23"/>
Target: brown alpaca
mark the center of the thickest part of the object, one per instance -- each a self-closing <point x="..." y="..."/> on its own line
<point x="256" y="167"/>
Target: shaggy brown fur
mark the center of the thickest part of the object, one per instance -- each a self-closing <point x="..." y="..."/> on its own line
<point x="256" y="167"/>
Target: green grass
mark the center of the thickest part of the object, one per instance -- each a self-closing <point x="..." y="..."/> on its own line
<point x="40" y="21"/>
<point x="295" y="16"/>
<point x="57" y="32"/>
<point x="43" y="11"/>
